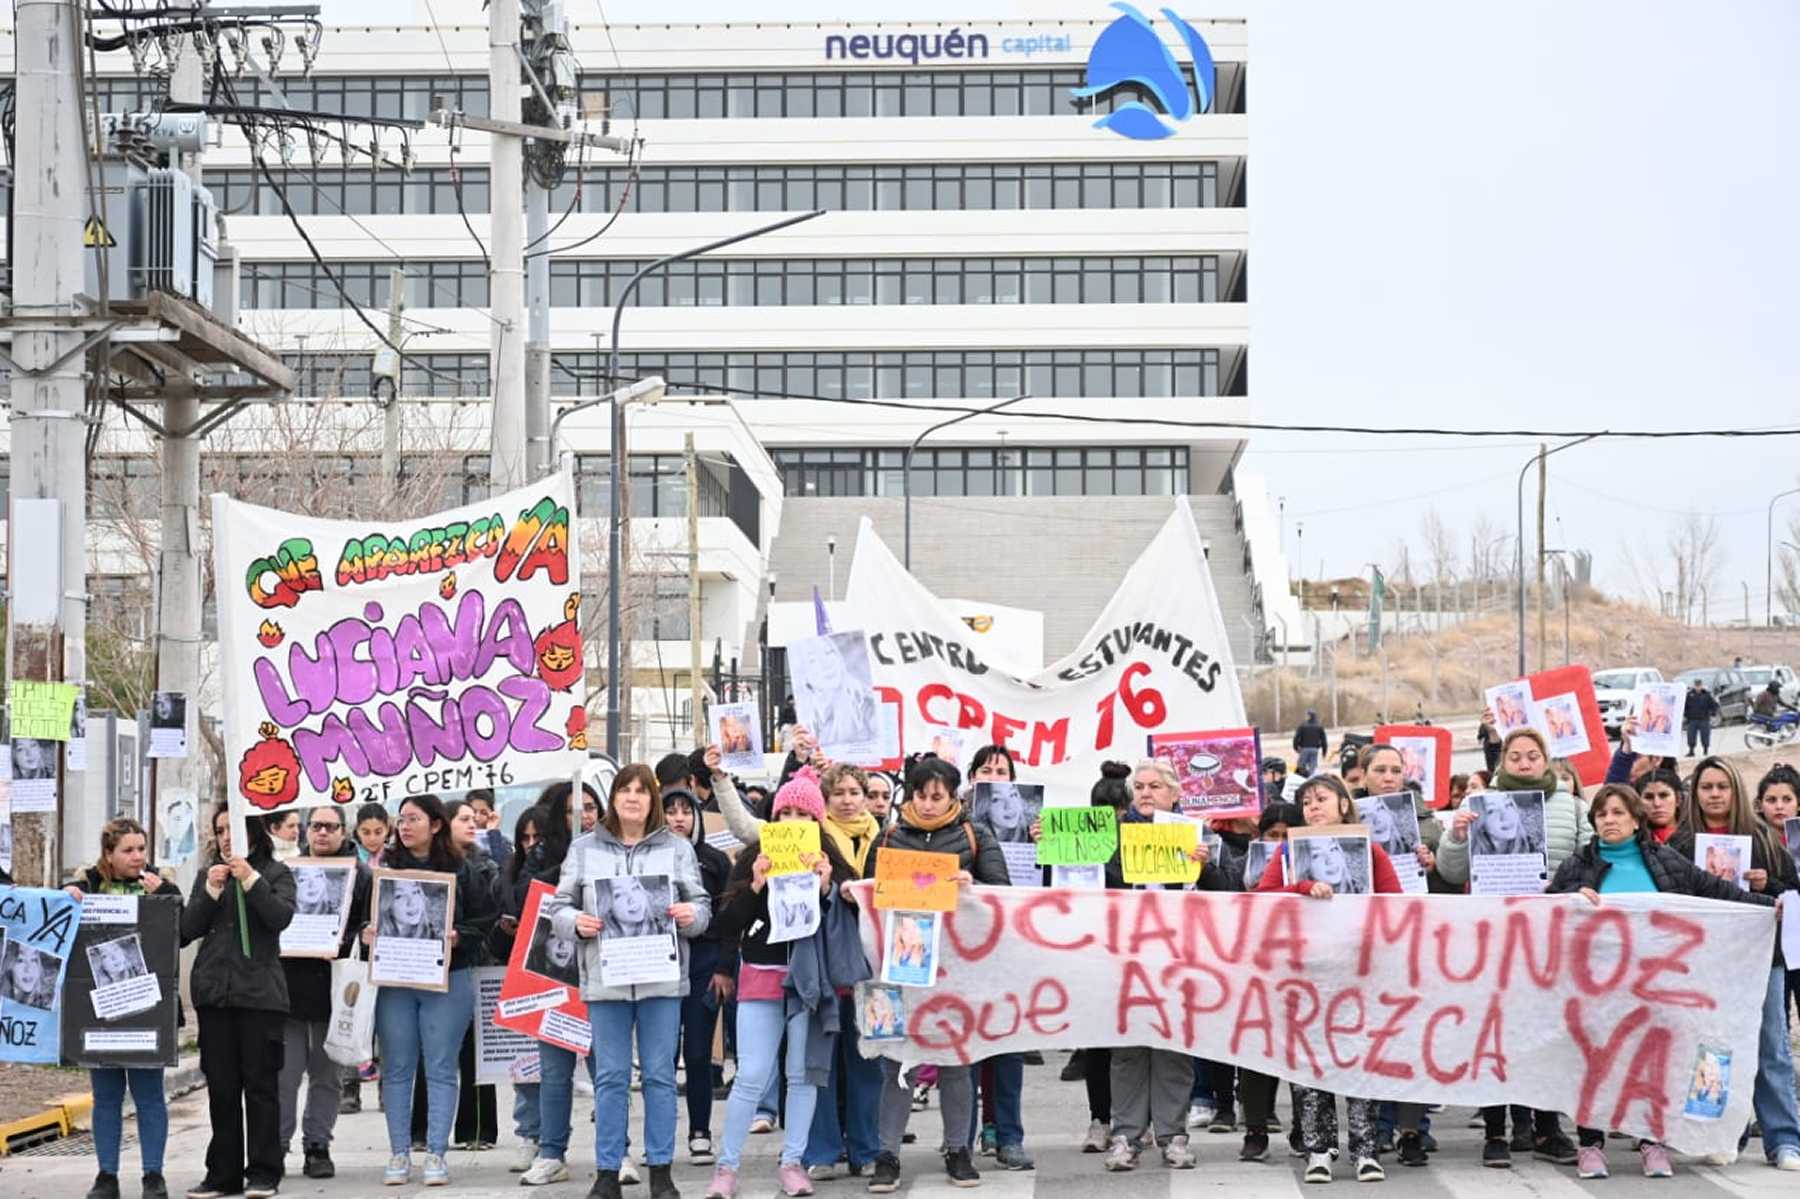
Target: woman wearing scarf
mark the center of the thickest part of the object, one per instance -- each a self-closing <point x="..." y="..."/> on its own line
<point x="1524" y="766"/>
<point x="933" y="821"/>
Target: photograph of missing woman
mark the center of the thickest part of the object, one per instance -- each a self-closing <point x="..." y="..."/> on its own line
<point x="168" y="725"/>
<point x="414" y="911"/>
<point x="737" y="731"/>
<point x="1257" y="856"/>
<point x="33" y="759"/>
<point x="1709" y="1090"/>
<point x="1791" y="828"/>
<point x="793" y="907"/>
<point x="1658" y="714"/>
<point x="1563" y="727"/>
<point x="1340" y="861"/>
<point x="1008" y="809"/>
<point x="637" y="934"/>
<point x="1724" y="856"/>
<point x="118" y="960"/>
<point x="1511" y="705"/>
<point x="1392" y="821"/>
<point x="833" y="694"/>
<point x="880" y="1011"/>
<point x="1507" y="843"/>
<point x="550" y="956"/>
<point x="28" y="976"/>
<point x="322" y="889"/>
<point x="911" y="955"/>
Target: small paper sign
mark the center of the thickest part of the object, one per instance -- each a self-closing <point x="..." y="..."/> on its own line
<point x="787" y="843"/>
<point x="1078" y="836"/>
<point x="42" y="711"/>
<point x="1159" y="853"/>
<point x="914" y="880"/>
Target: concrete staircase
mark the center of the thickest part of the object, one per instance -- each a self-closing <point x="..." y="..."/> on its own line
<point x="1062" y="556"/>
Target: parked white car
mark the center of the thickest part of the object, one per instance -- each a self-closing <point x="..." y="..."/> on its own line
<point x="1758" y="677"/>
<point x="1616" y="689"/>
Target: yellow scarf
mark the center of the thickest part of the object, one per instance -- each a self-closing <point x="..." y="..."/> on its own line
<point x="910" y="814"/>
<point x="854" y="839"/>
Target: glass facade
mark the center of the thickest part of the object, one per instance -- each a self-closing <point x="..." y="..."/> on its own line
<point x="987" y="471"/>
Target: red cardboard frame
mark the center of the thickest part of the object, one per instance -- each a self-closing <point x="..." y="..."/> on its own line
<point x="1439" y="793"/>
<point x="1591" y="766"/>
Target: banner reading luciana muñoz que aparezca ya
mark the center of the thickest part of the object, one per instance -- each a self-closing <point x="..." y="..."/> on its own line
<point x="375" y="659"/>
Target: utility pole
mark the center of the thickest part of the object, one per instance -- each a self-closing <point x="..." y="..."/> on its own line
<point x="1543" y="485"/>
<point x="506" y="439"/>
<point x="390" y="413"/>
<point x="46" y="609"/>
<point x="696" y="684"/>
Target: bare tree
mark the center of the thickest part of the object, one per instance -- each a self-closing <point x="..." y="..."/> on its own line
<point x="1787" y="577"/>
<point x="1695" y="558"/>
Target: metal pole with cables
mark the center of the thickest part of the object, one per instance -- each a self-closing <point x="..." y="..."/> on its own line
<point x="906" y="556"/>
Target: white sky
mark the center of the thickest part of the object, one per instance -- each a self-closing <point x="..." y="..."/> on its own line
<point x="1537" y="214"/>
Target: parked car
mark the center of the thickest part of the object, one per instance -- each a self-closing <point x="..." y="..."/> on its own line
<point x="1758" y="677"/>
<point x="1728" y="686"/>
<point x="1615" y="690"/>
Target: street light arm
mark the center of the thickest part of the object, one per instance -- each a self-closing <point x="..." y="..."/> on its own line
<point x="1519" y="533"/>
<point x="906" y="469"/>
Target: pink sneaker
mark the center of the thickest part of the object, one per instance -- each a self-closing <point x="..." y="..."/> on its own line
<point x="793" y="1180"/>
<point x="723" y="1184"/>
<point x="1590" y="1162"/>
<point x="1656" y="1161"/>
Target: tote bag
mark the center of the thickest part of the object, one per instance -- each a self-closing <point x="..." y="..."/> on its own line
<point x="350" y="1040"/>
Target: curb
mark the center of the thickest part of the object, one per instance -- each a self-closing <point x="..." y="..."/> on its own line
<point x="65" y="1115"/>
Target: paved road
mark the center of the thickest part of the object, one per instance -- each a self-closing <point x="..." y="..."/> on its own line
<point x="1055" y="1118"/>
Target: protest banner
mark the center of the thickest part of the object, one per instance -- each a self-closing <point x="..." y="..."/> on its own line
<point x="121" y="995"/>
<point x="1547" y="1001"/>
<point x="37" y="934"/>
<point x="1078" y="836"/>
<point x="1155" y="661"/>
<point x="786" y="843"/>
<point x="1424" y="758"/>
<point x="1220" y="771"/>
<point x="541" y="995"/>
<point x="375" y="659"/>
<point x="1159" y="852"/>
<point x="911" y="878"/>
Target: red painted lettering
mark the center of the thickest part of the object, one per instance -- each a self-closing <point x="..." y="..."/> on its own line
<point x="1253" y="1014"/>
<point x="1443" y="934"/>
<point x="1039" y="1008"/>
<point x="1282" y="931"/>
<point x="1135" y="991"/>
<point x="1025" y="920"/>
<point x="1689" y="937"/>
<point x="1437" y="1072"/>
<point x="1197" y="911"/>
<point x="1598" y="1058"/>
<point x="1645" y="1081"/>
<point x="1518" y="943"/>
<point x="1150" y="926"/>
<point x="1005" y="727"/>
<point x="1048" y="739"/>
<point x="1581" y="950"/>
<point x="1375" y="1063"/>
<point x="1379" y="922"/>
<point x="996" y="926"/>
<point x="1334" y="1027"/>
<point x="1300" y="1002"/>
<point x="943" y="1022"/>
<point x="1490" y="1044"/>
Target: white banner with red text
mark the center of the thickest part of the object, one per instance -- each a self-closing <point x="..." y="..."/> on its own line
<point x="1156" y="661"/>
<point x="1639" y="1015"/>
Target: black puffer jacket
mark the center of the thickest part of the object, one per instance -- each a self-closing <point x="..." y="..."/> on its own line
<point x="1669" y="869"/>
<point x="975" y="848"/>
<point x="1782" y="875"/>
<point x="223" y="975"/>
<point x="477" y="901"/>
<point x="309" y="979"/>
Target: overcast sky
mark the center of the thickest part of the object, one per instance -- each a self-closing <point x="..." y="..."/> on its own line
<point x="1536" y="215"/>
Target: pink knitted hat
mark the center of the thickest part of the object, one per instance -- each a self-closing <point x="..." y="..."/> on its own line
<point x="802" y="792"/>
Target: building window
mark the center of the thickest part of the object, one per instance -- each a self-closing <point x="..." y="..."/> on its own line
<point x="985" y="471"/>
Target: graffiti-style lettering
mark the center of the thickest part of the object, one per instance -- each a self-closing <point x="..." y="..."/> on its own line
<point x="538" y="541"/>
<point x="279" y="580"/>
<point x="377" y="556"/>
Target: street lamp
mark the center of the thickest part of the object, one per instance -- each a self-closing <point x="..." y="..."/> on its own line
<point x="768" y="706"/>
<point x="831" y="558"/>
<point x="906" y="552"/>
<point x="616" y="467"/>
<point x="1520" y="533"/>
<point x="1769" y="559"/>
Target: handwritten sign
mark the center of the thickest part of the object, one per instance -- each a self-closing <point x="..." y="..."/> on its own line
<point x="1077" y="836"/>
<point x="1159" y="853"/>
<point x="42" y="711"/>
<point x="913" y="880"/>
<point x="788" y="843"/>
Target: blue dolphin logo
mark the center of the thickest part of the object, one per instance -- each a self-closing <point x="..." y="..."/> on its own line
<point x="1129" y="51"/>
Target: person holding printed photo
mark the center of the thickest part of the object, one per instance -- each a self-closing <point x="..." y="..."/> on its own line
<point x="711" y="971"/>
<point x="1777" y="802"/>
<point x="1622" y="859"/>
<point x="1325" y="800"/>
<point x="237" y="909"/>
<point x="632" y="838"/>
<point x="123" y="868"/>
<point x="1524" y="766"/>
<point x="1717" y="803"/>
<point x="413" y="1024"/>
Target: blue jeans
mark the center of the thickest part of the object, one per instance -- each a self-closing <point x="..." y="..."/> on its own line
<point x="1009" y="1096"/>
<point x="526" y="1117"/>
<point x="657" y="1021"/>
<point x="760" y="1022"/>
<point x="858" y="1080"/>
<point x="555" y="1091"/>
<point x="1309" y="762"/>
<point x="1773" y="1099"/>
<point x="429" y="1025"/>
<point x="109" y="1115"/>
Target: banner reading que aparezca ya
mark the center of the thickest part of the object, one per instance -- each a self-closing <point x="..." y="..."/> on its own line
<point x="375" y="659"/>
<point x="1156" y="660"/>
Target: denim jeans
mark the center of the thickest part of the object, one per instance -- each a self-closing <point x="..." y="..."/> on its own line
<point x="555" y="1099"/>
<point x="1773" y="1100"/>
<point x="525" y="1111"/>
<point x="857" y="1080"/>
<point x="760" y="1024"/>
<point x="109" y="1115"/>
<point x="422" y="1025"/>
<point x="1008" y="1073"/>
<point x="657" y="1021"/>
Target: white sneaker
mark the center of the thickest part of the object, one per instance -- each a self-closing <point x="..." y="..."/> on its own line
<point x="1123" y="1155"/>
<point x="399" y="1170"/>
<point x="761" y="1125"/>
<point x="544" y="1171"/>
<point x="822" y="1173"/>
<point x="628" y="1172"/>
<point x="1721" y="1159"/>
<point x="522" y="1160"/>
<point x="435" y="1172"/>
<point x="1201" y="1114"/>
<point x="583" y="1084"/>
<point x="1176" y="1155"/>
<point x="1787" y="1158"/>
<point x="1098" y="1137"/>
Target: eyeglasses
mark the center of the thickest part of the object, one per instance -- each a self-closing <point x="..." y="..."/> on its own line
<point x="325" y="826"/>
<point x="412" y="818"/>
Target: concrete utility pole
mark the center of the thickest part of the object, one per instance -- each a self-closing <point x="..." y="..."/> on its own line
<point x="507" y="266"/>
<point x="47" y="549"/>
<point x="696" y="684"/>
<point x="390" y="413"/>
<point x="537" y="338"/>
<point x="1543" y="486"/>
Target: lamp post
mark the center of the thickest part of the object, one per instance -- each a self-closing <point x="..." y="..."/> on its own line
<point x="616" y="467"/>
<point x="831" y="559"/>
<point x="1769" y="559"/>
<point x="906" y="554"/>
<point x="1520" y="532"/>
<point x="768" y="707"/>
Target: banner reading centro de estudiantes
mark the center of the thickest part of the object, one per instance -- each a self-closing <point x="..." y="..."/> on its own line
<point x="1640" y="1015"/>
<point x="375" y="659"/>
<point x="1156" y="660"/>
